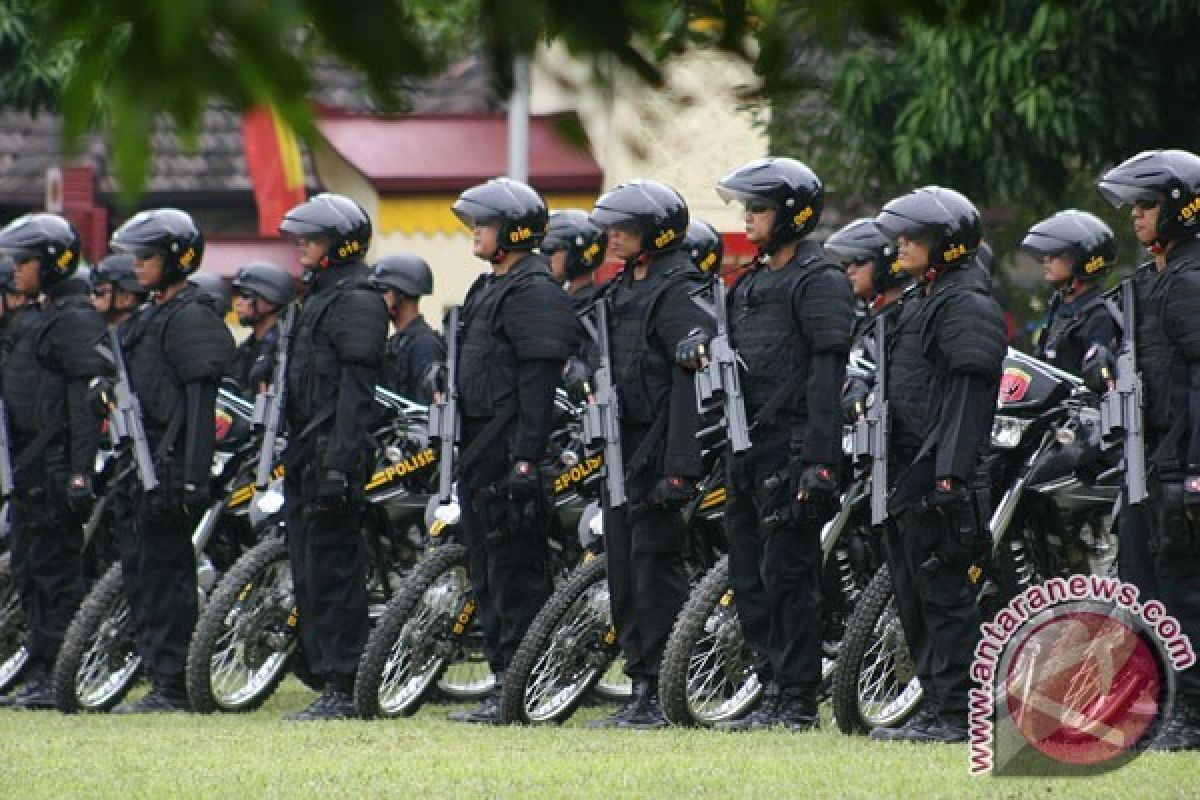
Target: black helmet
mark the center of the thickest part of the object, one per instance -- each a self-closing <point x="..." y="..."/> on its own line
<point x="656" y="210"/>
<point x="515" y="207"/>
<point x="269" y="281"/>
<point x="703" y="245"/>
<point x="405" y="273"/>
<point x="863" y="241"/>
<point x="215" y="287"/>
<point x="945" y="219"/>
<point x="8" y="270"/>
<point x="50" y="239"/>
<point x="117" y="269"/>
<point x="1082" y="236"/>
<point x="583" y="242"/>
<point x="165" y="231"/>
<point x="1169" y="179"/>
<point x="784" y="184"/>
<point x="336" y="217"/>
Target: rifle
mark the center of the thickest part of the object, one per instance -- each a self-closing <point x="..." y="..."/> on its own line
<point x="602" y="413"/>
<point x="444" y="424"/>
<point x="718" y="382"/>
<point x="870" y="439"/>
<point x="6" y="466"/>
<point x="125" y="417"/>
<point x="1121" y="407"/>
<point x="268" y="404"/>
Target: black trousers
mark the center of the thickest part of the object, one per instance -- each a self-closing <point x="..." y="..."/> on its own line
<point x="158" y="568"/>
<point x="329" y="563"/>
<point x="647" y="579"/>
<point x="775" y="568"/>
<point x="47" y="542"/>
<point x="507" y="557"/>
<point x="1138" y="543"/>
<point x="1177" y="570"/>
<point x="908" y="608"/>
<point x="943" y="599"/>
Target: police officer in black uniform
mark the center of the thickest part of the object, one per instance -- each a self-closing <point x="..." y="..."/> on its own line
<point x="336" y="360"/>
<point x="791" y="319"/>
<point x="516" y="333"/>
<point x="219" y="295"/>
<point x="54" y="437"/>
<point x="176" y="353"/>
<point x="13" y="305"/>
<point x="263" y="291"/>
<point x="415" y="347"/>
<point x="575" y="247"/>
<point x="939" y="519"/>
<point x="1163" y="186"/>
<point x="116" y="293"/>
<point x="1077" y="250"/>
<point x="651" y="313"/>
<point x="704" y="246"/>
<point x="869" y="258"/>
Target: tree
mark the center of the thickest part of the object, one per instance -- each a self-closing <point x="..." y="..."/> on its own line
<point x="132" y="59"/>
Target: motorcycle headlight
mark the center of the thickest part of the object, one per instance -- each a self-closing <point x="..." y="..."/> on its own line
<point x="1007" y="431"/>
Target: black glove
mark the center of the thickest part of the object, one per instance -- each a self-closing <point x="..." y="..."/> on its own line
<point x="1099" y="368"/>
<point x="671" y="492"/>
<point x="691" y="352"/>
<point x="194" y="497"/>
<point x="815" y="491"/>
<point x="333" y="490"/>
<point x="1191" y="492"/>
<point x="79" y="493"/>
<point x="854" y="399"/>
<point x="261" y="371"/>
<point x="100" y="396"/>
<point x="521" y="482"/>
<point x="967" y="541"/>
<point x="576" y="378"/>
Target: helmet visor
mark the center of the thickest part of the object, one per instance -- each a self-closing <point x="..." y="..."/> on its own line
<point x="1122" y="194"/>
<point x="138" y="250"/>
<point x="605" y="218"/>
<point x="895" y="225"/>
<point x="752" y="202"/>
<point x="471" y="213"/>
<point x="1041" y="245"/>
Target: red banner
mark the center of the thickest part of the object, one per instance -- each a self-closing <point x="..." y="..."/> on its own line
<point x="276" y="169"/>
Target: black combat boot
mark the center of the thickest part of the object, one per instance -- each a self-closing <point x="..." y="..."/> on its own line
<point x="487" y="712"/>
<point x="926" y="715"/>
<point x="626" y="711"/>
<point x="168" y="693"/>
<point x="333" y="703"/>
<point x="941" y="729"/>
<point x="36" y="695"/>
<point x="647" y="713"/>
<point x="1182" y="731"/>
<point x="760" y="718"/>
<point x="797" y="709"/>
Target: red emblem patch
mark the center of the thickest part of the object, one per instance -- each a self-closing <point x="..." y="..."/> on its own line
<point x="1013" y="385"/>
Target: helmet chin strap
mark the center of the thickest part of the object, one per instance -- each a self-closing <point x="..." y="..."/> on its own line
<point x="497" y="255"/>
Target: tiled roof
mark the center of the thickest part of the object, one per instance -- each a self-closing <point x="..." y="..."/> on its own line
<point x="217" y="164"/>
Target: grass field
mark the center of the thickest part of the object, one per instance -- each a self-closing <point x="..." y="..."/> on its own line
<point x="258" y="755"/>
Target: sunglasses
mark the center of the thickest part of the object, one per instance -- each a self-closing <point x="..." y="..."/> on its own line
<point x="101" y="291"/>
<point x="756" y="206"/>
<point x="246" y="294"/>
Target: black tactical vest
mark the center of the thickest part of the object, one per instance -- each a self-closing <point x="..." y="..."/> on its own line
<point x="32" y="388"/>
<point x="150" y="371"/>
<point x="1155" y="355"/>
<point x="487" y="362"/>
<point x="1059" y="343"/>
<point x="769" y="338"/>
<point x="314" y="368"/>
<point x="641" y="369"/>
<point x="910" y="375"/>
<point x="398" y="373"/>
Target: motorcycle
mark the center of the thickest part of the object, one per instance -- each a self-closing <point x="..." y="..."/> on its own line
<point x="429" y="630"/>
<point x="1047" y="522"/>
<point x="98" y="663"/>
<point x="246" y="641"/>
